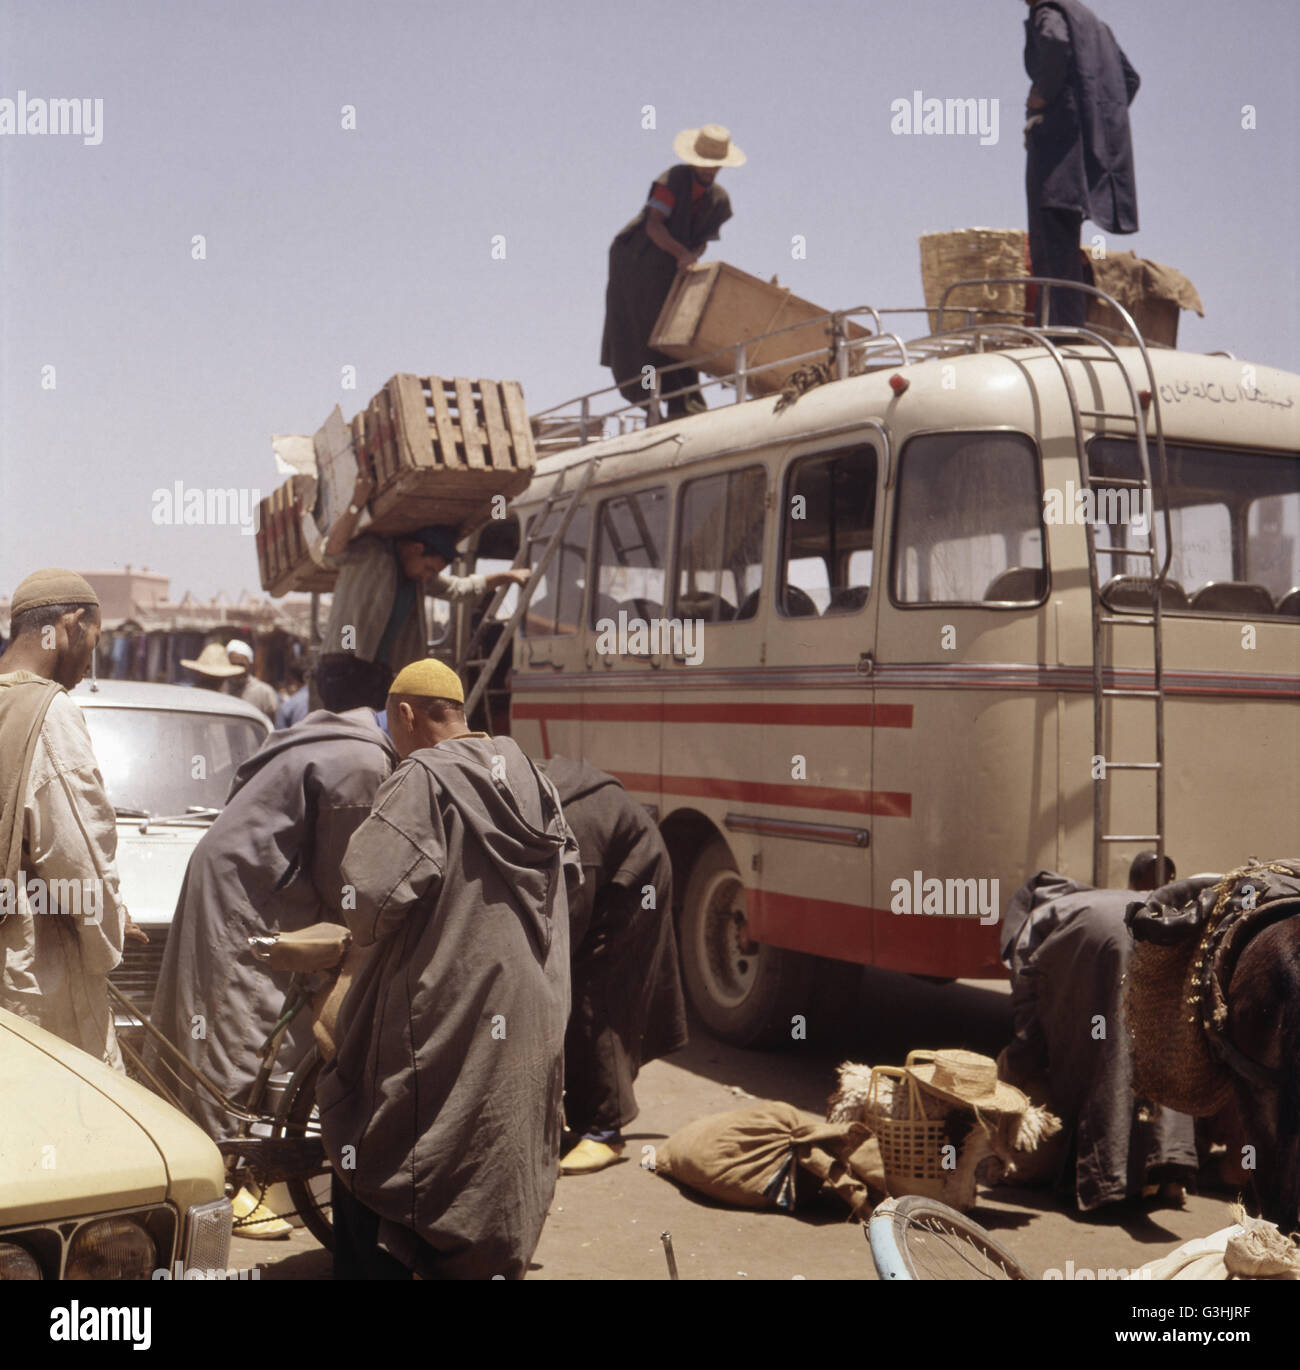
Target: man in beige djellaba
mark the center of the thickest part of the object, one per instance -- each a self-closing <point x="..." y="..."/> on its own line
<point x="61" y="920"/>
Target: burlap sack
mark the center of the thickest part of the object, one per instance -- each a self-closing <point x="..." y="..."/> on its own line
<point x="751" y="1156"/>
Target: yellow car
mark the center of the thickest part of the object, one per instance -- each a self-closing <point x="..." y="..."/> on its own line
<point x="100" y="1179"/>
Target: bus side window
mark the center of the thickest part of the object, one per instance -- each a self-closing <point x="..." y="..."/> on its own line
<point x="1234" y="521"/>
<point x="556" y="606"/>
<point x="631" y="534"/>
<point x="828" y="520"/>
<point x="969" y="521"/>
<point x="720" y="546"/>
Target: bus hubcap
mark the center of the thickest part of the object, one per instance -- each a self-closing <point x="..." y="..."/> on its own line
<point x="728" y="957"/>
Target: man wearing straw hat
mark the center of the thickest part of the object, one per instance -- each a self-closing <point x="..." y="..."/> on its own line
<point x="683" y="213"/>
<point x="1080" y="152"/>
<point x="212" y="666"/>
<point x="61" y="921"/>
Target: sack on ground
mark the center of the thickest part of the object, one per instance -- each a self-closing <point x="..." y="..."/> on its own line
<point x="752" y="1157"/>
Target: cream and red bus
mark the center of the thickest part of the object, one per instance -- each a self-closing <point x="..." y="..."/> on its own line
<point x="876" y="658"/>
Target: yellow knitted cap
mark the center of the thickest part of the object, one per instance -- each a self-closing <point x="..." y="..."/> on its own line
<point x="428" y="679"/>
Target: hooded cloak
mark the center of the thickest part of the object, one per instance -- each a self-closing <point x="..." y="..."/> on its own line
<point x="441" y="1110"/>
<point x="269" y="863"/>
<point x="1068" y="956"/>
<point x="628" y="1006"/>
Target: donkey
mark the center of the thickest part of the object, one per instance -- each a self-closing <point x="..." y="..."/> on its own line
<point x="1263" y="1025"/>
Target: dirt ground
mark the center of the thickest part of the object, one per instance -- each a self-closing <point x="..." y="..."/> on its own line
<point x="607" y="1226"/>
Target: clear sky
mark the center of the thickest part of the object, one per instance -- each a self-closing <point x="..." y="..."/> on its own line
<point x="372" y="247"/>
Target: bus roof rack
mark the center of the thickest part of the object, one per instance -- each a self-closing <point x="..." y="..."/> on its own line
<point x="605" y="413"/>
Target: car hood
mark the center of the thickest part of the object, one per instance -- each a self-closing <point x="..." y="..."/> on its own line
<point x="77" y="1137"/>
<point x="152" y="866"/>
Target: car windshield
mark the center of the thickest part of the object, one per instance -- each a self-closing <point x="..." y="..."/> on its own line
<point x="163" y="762"/>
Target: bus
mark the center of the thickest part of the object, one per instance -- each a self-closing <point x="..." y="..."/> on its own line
<point x="991" y="602"/>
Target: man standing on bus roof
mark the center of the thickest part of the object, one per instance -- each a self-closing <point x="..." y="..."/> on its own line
<point x="1080" y="151"/>
<point x="684" y="212"/>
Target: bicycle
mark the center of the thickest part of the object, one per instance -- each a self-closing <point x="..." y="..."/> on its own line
<point x="293" y="1152"/>
<point x="915" y="1238"/>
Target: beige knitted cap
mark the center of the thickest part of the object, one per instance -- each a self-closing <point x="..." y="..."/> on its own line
<point x="52" y="586"/>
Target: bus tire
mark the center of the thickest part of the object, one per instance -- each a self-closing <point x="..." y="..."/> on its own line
<point x="745" y="993"/>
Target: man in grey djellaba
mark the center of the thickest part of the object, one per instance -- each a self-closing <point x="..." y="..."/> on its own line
<point x="441" y="1111"/>
<point x="269" y="863"/>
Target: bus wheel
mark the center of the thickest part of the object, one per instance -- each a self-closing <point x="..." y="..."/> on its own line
<point x="745" y="993"/>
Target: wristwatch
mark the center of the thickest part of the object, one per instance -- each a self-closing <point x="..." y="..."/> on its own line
<point x="353" y="510"/>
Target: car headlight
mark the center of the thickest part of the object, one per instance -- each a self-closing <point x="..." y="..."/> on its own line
<point x="17" y="1263"/>
<point x="111" y="1249"/>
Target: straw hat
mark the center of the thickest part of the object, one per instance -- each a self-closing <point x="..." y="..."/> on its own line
<point x="965" y="1077"/>
<point x="213" y="661"/>
<point x="710" y="145"/>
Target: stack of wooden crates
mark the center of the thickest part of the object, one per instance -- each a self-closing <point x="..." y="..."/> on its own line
<point x="441" y="451"/>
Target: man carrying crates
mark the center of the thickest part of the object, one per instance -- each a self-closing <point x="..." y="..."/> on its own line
<point x="377" y="620"/>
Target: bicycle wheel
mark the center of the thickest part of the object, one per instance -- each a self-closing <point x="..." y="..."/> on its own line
<point x="298" y="1117"/>
<point x="916" y="1238"/>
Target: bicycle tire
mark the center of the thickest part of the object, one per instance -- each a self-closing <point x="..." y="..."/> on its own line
<point x="310" y="1196"/>
<point x="916" y="1238"/>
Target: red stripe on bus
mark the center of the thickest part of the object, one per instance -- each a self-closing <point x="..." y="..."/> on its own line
<point x="877" y="937"/>
<point x="773" y="715"/>
<point x="883" y="804"/>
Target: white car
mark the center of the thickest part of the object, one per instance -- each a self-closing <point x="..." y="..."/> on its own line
<point x="167" y="754"/>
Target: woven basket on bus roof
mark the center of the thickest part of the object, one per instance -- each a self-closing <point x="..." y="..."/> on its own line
<point x="910" y="1145"/>
<point x="966" y="254"/>
<point x="1172" y="1061"/>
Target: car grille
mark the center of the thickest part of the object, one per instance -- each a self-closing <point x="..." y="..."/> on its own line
<point x="137" y="976"/>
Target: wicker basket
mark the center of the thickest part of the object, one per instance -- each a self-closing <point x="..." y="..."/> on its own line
<point x="966" y="254"/>
<point x="910" y="1146"/>
<point x="1172" y="1062"/>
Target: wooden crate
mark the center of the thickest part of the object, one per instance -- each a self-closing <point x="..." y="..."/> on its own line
<point x="442" y="449"/>
<point x="284" y="559"/>
<point x="716" y="306"/>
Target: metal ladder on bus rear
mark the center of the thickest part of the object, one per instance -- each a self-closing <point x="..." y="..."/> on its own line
<point x="486" y="665"/>
<point x="1143" y="485"/>
<point x="1135" y="414"/>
